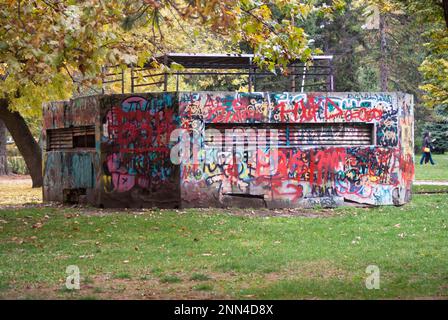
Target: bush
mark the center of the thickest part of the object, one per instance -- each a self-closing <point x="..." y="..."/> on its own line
<point x="17" y="165"/>
<point x="439" y="129"/>
<point x="439" y="132"/>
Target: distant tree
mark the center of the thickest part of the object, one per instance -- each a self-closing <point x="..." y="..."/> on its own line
<point x="433" y="14"/>
<point x="344" y="38"/>
<point x="3" y="158"/>
<point x="439" y="129"/>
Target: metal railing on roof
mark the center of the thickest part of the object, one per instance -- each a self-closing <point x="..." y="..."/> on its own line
<point x="318" y="76"/>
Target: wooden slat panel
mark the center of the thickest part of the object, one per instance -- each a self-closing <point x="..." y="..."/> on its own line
<point x="63" y="138"/>
<point x="294" y="134"/>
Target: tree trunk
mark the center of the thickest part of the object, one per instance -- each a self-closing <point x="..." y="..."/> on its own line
<point x="384" y="72"/>
<point x="445" y="11"/>
<point x="3" y="157"/>
<point x="24" y="140"/>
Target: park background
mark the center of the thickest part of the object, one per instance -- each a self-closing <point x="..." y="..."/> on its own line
<point x="377" y="45"/>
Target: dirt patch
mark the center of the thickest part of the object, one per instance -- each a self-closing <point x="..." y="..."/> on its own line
<point x="106" y="287"/>
<point x="321" y="269"/>
<point x="216" y="286"/>
<point x="16" y="193"/>
<point x="15" y="178"/>
<point x="286" y="212"/>
<point x="222" y="286"/>
<point x="92" y="211"/>
<point x="296" y="212"/>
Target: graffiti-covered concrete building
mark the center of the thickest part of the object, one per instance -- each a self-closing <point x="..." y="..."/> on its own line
<point x="248" y="149"/>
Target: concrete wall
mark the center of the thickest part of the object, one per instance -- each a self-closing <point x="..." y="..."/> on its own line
<point x="71" y="169"/>
<point x="379" y="173"/>
<point x="332" y="147"/>
<point x="135" y="151"/>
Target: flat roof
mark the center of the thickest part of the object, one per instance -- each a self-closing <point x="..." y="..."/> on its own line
<point x="216" y="61"/>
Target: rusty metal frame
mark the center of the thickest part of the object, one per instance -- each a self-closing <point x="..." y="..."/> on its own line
<point x="221" y="64"/>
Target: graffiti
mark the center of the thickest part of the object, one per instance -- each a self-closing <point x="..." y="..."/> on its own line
<point x="355" y="172"/>
<point x="242" y="107"/>
<point x="367" y="174"/>
<point x="293" y="108"/>
<point x="63" y="114"/>
<point x="136" y="134"/>
<point x="278" y="149"/>
<point x="351" y="110"/>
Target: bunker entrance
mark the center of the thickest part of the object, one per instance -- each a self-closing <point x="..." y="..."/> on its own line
<point x="74" y="196"/>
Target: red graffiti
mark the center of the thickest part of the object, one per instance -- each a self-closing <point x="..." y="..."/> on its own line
<point x="325" y="163"/>
<point x="137" y="138"/>
<point x="333" y="111"/>
<point x="140" y="130"/>
<point x="299" y="111"/>
<point x="407" y="169"/>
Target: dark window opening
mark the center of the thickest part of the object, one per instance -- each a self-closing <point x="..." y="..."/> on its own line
<point x="71" y="138"/>
<point x="85" y="141"/>
<point x="73" y="196"/>
<point x="291" y="134"/>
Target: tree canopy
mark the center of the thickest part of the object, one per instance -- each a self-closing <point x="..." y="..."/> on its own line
<point x="45" y="44"/>
<point x="51" y="49"/>
<point x="434" y="15"/>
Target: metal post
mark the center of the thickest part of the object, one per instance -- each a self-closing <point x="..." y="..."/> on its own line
<point x="255" y="79"/>
<point x="303" y="78"/>
<point x="177" y="81"/>
<point x="122" y="81"/>
<point x="331" y="76"/>
<point x="165" y="81"/>
<point x="250" y="75"/>
<point x="132" y="79"/>
<point x="102" y="82"/>
<point x="293" y="79"/>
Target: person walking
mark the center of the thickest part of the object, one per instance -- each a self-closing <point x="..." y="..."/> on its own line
<point x="427" y="145"/>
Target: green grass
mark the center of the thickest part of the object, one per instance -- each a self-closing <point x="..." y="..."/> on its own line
<point x="170" y="279"/>
<point x="438" y="172"/>
<point x="243" y="257"/>
<point x="203" y="287"/>
<point x="199" y="277"/>
<point x="123" y="275"/>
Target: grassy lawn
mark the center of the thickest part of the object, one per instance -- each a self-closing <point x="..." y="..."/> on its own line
<point x="428" y="172"/>
<point x="18" y="191"/>
<point x="213" y="254"/>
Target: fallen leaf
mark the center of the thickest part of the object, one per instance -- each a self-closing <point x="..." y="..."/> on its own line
<point x="87" y="256"/>
<point x="37" y="225"/>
